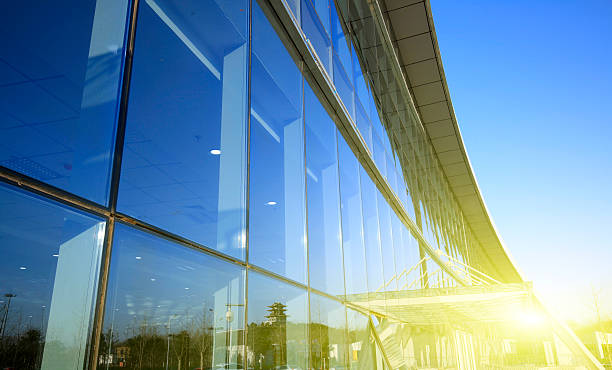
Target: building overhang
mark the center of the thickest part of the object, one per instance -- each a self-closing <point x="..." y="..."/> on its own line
<point x="410" y="28"/>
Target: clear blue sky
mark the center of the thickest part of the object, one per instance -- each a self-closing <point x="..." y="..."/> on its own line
<point x="531" y="84"/>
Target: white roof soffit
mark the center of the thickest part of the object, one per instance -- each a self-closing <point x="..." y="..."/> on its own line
<point x="411" y="29"/>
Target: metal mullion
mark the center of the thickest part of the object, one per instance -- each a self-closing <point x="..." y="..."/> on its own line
<point x="114" y="188"/>
<point x="38" y="187"/>
<point x="98" y="318"/>
<point x="247" y="185"/>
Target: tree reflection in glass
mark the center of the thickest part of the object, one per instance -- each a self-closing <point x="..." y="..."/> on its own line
<point x="277" y="330"/>
<point x="171" y="307"/>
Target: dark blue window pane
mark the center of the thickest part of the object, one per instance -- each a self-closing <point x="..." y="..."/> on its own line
<point x="278" y="324"/>
<point x="372" y="234"/>
<point x="163" y="298"/>
<point x="316" y="33"/>
<point x="49" y="266"/>
<point x="277" y="225"/>
<point x="352" y="228"/>
<point x="324" y="234"/>
<point x="341" y="45"/>
<point x="60" y="68"/>
<point x="184" y="165"/>
<point x="361" y="88"/>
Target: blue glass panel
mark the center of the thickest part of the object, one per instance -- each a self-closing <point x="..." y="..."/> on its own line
<point x="372" y="234"/>
<point x="60" y="69"/>
<point x="278" y="324"/>
<point x="341" y="45"/>
<point x="49" y="267"/>
<point x="352" y="228"/>
<point x="379" y="155"/>
<point x="361" y="88"/>
<point x="184" y="166"/>
<point x="163" y="296"/>
<point x="317" y="35"/>
<point x="386" y="241"/>
<point x="343" y="85"/>
<point x="324" y="233"/>
<point x="363" y="123"/>
<point x="328" y="342"/>
<point x="277" y="185"/>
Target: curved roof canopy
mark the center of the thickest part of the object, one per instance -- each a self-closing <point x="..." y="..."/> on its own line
<point x="411" y="30"/>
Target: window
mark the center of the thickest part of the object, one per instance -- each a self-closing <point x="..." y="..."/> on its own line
<point x="171" y="305"/>
<point x="328" y="348"/>
<point x="352" y="227"/>
<point x="316" y="31"/>
<point x="60" y="68"/>
<point x="184" y="165"/>
<point x="386" y="236"/>
<point x="362" y="353"/>
<point x="324" y="233"/>
<point x="278" y="319"/>
<point x="372" y="235"/>
<point x="277" y="224"/>
<point x="48" y="271"/>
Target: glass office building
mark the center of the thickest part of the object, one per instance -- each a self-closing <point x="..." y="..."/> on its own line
<point x="244" y="184"/>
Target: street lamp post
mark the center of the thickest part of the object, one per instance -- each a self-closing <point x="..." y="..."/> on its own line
<point x="229" y="317"/>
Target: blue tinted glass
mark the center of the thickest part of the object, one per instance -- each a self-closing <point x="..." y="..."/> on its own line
<point x="371" y="233"/>
<point x="379" y="155"/>
<point x="352" y="228"/>
<point x="343" y="86"/>
<point x="184" y="164"/>
<point x="323" y="11"/>
<point x="316" y="34"/>
<point x="361" y="88"/>
<point x="386" y="241"/>
<point x="49" y="267"/>
<point x="324" y="234"/>
<point x="328" y="345"/>
<point x="163" y="296"/>
<point x="363" y="123"/>
<point x="341" y="45"/>
<point x="60" y="68"/>
<point x="277" y="184"/>
<point x="278" y="324"/>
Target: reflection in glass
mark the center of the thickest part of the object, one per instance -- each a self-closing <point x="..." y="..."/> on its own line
<point x="324" y="234"/>
<point x="278" y="324"/>
<point x="372" y="234"/>
<point x="184" y="164"/>
<point x="361" y="353"/>
<point x="328" y="340"/>
<point x="277" y="224"/>
<point x="170" y="306"/>
<point x="352" y="228"/>
<point x="48" y="281"/>
<point x="386" y="237"/>
<point x="316" y="31"/>
<point x="60" y="65"/>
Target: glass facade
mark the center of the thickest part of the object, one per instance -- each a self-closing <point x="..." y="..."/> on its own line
<point x="196" y="203"/>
